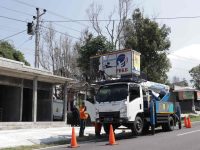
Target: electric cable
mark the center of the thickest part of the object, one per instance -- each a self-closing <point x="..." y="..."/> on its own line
<point x="12" y="35"/>
<point x="17" y="11"/>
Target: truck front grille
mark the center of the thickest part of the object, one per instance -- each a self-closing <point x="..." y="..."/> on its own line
<point x="109" y="116"/>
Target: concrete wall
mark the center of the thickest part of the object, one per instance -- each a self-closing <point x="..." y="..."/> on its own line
<point x="10" y="102"/>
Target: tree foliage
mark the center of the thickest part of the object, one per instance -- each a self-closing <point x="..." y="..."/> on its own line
<point x="90" y="46"/>
<point x="146" y="36"/>
<point x="195" y="73"/>
<point x="8" y="51"/>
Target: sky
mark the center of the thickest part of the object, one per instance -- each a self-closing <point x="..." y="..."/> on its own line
<point x="184" y="52"/>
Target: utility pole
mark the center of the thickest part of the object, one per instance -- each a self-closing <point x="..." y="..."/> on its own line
<point x="35" y="80"/>
<point x="37" y="17"/>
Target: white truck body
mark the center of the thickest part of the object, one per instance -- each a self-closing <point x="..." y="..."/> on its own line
<point x="121" y="102"/>
<point x="119" y="63"/>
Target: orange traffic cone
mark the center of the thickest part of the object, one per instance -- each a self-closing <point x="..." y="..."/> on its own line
<point x="189" y="123"/>
<point x="111" y="136"/>
<point x="185" y="122"/>
<point x="73" y="139"/>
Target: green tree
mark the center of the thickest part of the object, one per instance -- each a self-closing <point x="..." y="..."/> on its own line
<point x="90" y="46"/>
<point x="9" y="51"/>
<point x="146" y="36"/>
<point x="195" y="73"/>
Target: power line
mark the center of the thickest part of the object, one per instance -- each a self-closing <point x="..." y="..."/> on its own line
<point x="82" y="20"/>
<point x="12" y="19"/>
<point x="106" y="20"/>
<point x="69" y="20"/>
<point x="175" y="18"/>
<point x="3" y="27"/>
<point x="61" y="32"/>
<point x="79" y="21"/>
<point x="24" y="3"/>
<point x="18" y="47"/>
<point x="17" y="11"/>
<point x="48" y="11"/>
<point x="67" y="27"/>
<point x="12" y="35"/>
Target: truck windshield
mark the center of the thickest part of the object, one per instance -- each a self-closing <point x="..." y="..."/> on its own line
<point x="115" y="92"/>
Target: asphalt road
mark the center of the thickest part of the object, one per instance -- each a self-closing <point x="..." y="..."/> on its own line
<point x="184" y="139"/>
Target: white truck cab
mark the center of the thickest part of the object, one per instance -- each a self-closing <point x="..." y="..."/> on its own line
<point x="118" y="103"/>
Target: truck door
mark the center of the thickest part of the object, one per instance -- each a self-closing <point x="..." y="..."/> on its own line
<point x="90" y="109"/>
<point x="135" y="101"/>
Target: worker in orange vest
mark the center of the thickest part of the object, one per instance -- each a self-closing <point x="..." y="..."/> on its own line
<point x="83" y="117"/>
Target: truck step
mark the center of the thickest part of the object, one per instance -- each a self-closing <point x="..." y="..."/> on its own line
<point x="162" y="121"/>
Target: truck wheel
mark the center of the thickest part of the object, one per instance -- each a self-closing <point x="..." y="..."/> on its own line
<point x="170" y="125"/>
<point x="137" y="126"/>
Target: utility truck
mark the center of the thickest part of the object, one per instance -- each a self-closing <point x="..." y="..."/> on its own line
<point x="131" y="102"/>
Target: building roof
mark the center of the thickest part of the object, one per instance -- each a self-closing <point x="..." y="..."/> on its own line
<point x="179" y="88"/>
<point x="20" y="70"/>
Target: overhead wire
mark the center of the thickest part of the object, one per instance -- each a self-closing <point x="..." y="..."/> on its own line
<point x="13" y="10"/>
<point x="105" y="20"/>
<point x="53" y="13"/>
<point x="24" y="3"/>
<point x="41" y="26"/>
<point x="60" y="32"/>
<point x="48" y="11"/>
<point x="67" y="27"/>
<point x="29" y="39"/>
<point x="12" y="35"/>
<point x="12" y="19"/>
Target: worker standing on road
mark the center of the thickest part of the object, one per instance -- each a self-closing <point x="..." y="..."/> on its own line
<point x="83" y="117"/>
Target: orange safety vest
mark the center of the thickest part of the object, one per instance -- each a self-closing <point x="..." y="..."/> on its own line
<point x="83" y="114"/>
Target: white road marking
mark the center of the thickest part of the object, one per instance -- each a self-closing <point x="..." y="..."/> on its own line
<point x="188" y="132"/>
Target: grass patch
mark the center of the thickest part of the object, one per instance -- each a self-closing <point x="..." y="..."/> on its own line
<point x="26" y="147"/>
<point x="36" y="146"/>
<point x="194" y="118"/>
<point x="62" y="142"/>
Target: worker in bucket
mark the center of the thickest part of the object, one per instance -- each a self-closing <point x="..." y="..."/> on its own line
<point x="83" y="117"/>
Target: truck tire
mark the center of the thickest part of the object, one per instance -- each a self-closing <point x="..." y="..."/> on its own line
<point x="170" y="125"/>
<point x="137" y="126"/>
